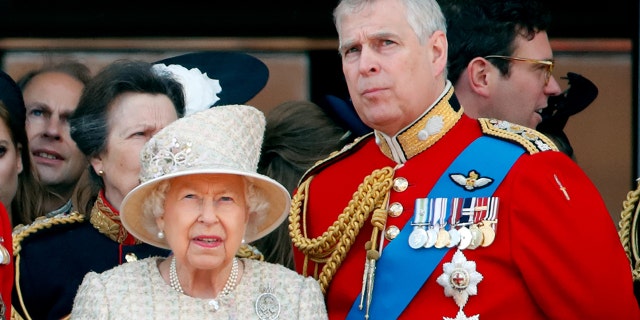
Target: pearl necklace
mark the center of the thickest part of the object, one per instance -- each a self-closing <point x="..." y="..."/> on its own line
<point x="230" y="285"/>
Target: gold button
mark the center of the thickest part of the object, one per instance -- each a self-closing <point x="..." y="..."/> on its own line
<point x="400" y="184"/>
<point x="395" y="209"/>
<point x="391" y="232"/>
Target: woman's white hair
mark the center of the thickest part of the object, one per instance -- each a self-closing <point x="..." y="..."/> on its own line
<point x="153" y="205"/>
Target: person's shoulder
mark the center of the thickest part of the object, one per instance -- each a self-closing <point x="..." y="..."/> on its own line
<point x="529" y="139"/>
<point x="336" y="156"/>
<point x="128" y="271"/>
<point x="279" y="276"/>
<point x="135" y="266"/>
<point x="44" y="226"/>
<point x="272" y="270"/>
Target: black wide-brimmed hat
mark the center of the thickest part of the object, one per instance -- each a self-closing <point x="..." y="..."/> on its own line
<point x="344" y="113"/>
<point x="11" y="96"/>
<point x="241" y="75"/>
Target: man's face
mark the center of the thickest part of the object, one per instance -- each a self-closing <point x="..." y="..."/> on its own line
<point x="520" y="96"/>
<point x="50" y="98"/>
<point x="392" y="77"/>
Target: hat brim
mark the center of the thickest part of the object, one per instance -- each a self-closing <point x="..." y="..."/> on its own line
<point x="143" y="226"/>
<point x="241" y="75"/>
<point x="11" y="97"/>
<point x="344" y="113"/>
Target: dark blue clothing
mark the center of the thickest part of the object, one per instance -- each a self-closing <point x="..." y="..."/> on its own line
<point x="55" y="254"/>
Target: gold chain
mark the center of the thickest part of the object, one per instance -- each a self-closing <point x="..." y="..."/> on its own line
<point x="334" y="243"/>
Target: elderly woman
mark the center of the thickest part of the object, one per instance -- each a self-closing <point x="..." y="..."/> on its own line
<point x="201" y="200"/>
<point x="125" y="104"/>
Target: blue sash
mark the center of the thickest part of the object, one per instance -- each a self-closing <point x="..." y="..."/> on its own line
<point x="401" y="271"/>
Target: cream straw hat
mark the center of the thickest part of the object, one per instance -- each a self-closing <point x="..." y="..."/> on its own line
<point x="224" y="139"/>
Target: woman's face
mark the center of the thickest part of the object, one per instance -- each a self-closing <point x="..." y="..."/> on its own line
<point x="133" y="118"/>
<point x="10" y="166"/>
<point x="205" y="219"/>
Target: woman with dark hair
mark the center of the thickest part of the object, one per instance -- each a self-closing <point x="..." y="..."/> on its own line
<point x="23" y="199"/>
<point x="298" y="134"/>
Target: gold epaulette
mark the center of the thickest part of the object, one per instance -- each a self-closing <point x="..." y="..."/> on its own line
<point x="20" y="232"/>
<point x="629" y="229"/>
<point x="532" y="140"/>
<point x="336" y="155"/>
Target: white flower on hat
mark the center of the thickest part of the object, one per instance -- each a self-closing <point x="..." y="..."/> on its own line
<point x="200" y="91"/>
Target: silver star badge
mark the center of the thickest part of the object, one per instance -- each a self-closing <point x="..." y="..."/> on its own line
<point x="462" y="316"/>
<point x="460" y="279"/>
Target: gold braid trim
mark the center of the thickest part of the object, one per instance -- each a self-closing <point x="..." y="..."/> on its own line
<point x="629" y="233"/>
<point x="411" y="144"/>
<point x="20" y="232"/>
<point x="532" y="140"/>
<point x="108" y="222"/>
<point x="334" y="243"/>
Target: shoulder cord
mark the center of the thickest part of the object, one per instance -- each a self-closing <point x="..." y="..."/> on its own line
<point x="39" y="224"/>
<point x="17" y="240"/>
<point x="332" y="246"/>
<point x="627" y="230"/>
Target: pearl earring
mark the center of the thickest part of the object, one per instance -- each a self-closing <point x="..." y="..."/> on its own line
<point x="100" y="173"/>
<point x="160" y="234"/>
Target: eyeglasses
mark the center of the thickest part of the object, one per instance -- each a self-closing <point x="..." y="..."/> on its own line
<point x="548" y="64"/>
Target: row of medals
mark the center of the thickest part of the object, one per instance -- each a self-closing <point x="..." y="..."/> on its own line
<point x="476" y="235"/>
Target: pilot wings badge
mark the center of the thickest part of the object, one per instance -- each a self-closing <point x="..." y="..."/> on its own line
<point x="472" y="181"/>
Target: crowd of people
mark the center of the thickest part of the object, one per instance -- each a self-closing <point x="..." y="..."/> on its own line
<point x="136" y="192"/>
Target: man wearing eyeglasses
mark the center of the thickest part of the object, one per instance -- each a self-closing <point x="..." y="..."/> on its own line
<point x="500" y="59"/>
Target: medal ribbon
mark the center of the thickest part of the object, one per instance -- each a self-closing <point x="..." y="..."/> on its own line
<point x="420" y="212"/>
<point x="398" y="279"/>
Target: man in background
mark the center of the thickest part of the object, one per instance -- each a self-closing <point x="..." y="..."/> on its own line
<point x="51" y="94"/>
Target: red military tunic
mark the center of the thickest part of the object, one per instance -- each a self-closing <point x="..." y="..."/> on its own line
<point x="556" y="253"/>
<point x="6" y="263"/>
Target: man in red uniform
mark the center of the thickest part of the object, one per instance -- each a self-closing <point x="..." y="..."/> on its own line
<point x="435" y="215"/>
